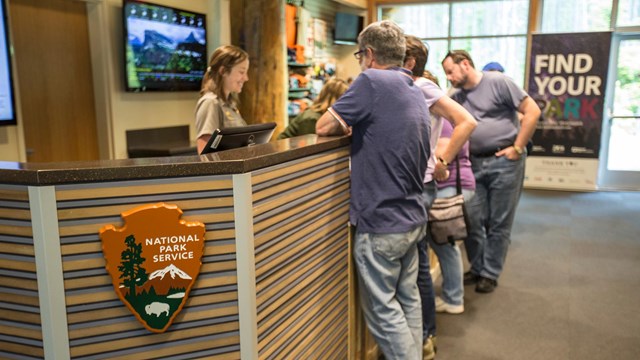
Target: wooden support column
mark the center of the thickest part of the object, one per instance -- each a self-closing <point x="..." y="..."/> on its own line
<point x="257" y="26"/>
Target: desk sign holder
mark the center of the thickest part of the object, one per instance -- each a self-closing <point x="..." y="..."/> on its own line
<point x="153" y="260"/>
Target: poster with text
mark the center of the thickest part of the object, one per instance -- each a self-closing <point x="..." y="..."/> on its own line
<point x="320" y="39"/>
<point x="567" y="79"/>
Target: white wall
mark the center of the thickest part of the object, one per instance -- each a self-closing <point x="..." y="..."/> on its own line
<point x="347" y="65"/>
<point x="9" y="143"/>
<point x="119" y="111"/>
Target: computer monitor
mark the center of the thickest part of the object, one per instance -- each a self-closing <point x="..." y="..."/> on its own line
<point x="236" y="137"/>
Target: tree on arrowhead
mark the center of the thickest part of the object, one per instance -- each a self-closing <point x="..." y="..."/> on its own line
<point x="131" y="272"/>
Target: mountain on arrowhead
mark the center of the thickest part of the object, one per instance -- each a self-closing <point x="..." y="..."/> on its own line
<point x="171" y="270"/>
<point x="165" y="281"/>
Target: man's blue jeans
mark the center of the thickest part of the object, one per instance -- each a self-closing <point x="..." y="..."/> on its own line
<point x="492" y="210"/>
<point x="387" y="276"/>
<point x="425" y="282"/>
<point x="450" y="258"/>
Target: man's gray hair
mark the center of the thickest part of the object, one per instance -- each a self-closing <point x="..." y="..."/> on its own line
<point x="387" y="41"/>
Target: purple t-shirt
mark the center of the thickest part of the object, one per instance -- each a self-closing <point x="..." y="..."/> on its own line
<point x="389" y="150"/>
<point x="432" y="93"/>
<point x="467" y="180"/>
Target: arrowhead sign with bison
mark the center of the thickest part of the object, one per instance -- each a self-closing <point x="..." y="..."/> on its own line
<point x="153" y="260"/>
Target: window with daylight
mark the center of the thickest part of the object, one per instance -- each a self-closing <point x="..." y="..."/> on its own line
<point x="628" y="13"/>
<point x="586" y="15"/>
<point x="475" y="26"/>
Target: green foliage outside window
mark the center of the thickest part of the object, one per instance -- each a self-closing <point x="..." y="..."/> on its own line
<point x="627" y="92"/>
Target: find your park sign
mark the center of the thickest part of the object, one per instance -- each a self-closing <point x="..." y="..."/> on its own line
<point x="153" y="259"/>
<point x="567" y="79"/>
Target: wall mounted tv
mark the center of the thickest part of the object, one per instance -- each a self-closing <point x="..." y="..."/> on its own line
<point x="346" y="29"/>
<point x="165" y="47"/>
<point x="7" y="104"/>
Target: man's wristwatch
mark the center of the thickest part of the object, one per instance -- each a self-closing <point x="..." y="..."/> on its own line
<point x="518" y="149"/>
<point x="443" y="161"/>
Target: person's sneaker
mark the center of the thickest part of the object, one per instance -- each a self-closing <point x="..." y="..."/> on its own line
<point x="470" y="278"/>
<point x="429" y="348"/>
<point x="444" y="307"/>
<point x="486" y="285"/>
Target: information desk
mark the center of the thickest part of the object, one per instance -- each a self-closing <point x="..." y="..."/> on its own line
<point x="274" y="280"/>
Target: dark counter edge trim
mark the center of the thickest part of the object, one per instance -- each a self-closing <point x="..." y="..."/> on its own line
<point x="236" y="161"/>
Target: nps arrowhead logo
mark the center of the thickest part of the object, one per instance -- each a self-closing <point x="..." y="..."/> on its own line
<point x="153" y="260"/>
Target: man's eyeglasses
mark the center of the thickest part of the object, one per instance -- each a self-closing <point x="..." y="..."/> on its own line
<point x="358" y="54"/>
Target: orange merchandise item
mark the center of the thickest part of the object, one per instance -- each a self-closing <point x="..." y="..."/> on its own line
<point x="302" y="80"/>
<point x="300" y="54"/>
<point x="290" y="24"/>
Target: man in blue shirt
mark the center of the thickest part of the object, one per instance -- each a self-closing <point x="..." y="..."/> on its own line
<point x="388" y="119"/>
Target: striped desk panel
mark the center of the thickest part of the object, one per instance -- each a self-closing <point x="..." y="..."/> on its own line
<point x="301" y="253"/>
<point x="20" y="323"/>
<point x="100" y="325"/>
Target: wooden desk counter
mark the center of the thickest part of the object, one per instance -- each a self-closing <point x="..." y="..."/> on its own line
<point x="274" y="280"/>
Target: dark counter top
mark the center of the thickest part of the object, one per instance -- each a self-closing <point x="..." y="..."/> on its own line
<point x="235" y="161"/>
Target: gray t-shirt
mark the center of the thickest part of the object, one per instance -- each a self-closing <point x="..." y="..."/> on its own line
<point x="493" y="103"/>
<point x="212" y="114"/>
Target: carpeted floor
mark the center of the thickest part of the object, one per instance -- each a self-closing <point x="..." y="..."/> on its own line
<point x="570" y="288"/>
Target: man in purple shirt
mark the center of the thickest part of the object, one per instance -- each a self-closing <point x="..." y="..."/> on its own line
<point x="388" y="119"/>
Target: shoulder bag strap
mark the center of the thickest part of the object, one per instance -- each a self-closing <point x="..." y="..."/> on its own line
<point x="458" y="185"/>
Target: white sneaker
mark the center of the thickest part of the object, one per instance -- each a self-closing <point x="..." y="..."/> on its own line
<point x="444" y="307"/>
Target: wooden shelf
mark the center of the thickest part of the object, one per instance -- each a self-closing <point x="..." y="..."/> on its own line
<point x="299" y="89"/>
<point x="294" y="64"/>
<point x="360" y="4"/>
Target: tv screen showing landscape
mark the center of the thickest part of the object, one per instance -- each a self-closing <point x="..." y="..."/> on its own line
<point x="7" y="109"/>
<point x="165" y="47"/>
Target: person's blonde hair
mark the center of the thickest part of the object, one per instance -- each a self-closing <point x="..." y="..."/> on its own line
<point x="331" y="91"/>
<point x="428" y="75"/>
<point x="223" y="58"/>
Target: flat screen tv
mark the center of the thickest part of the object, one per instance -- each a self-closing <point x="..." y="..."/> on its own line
<point x="7" y="104"/>
<point x="165" y="47"/>
<point x="237" y="137"/>
<point x="346" y="29"/>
